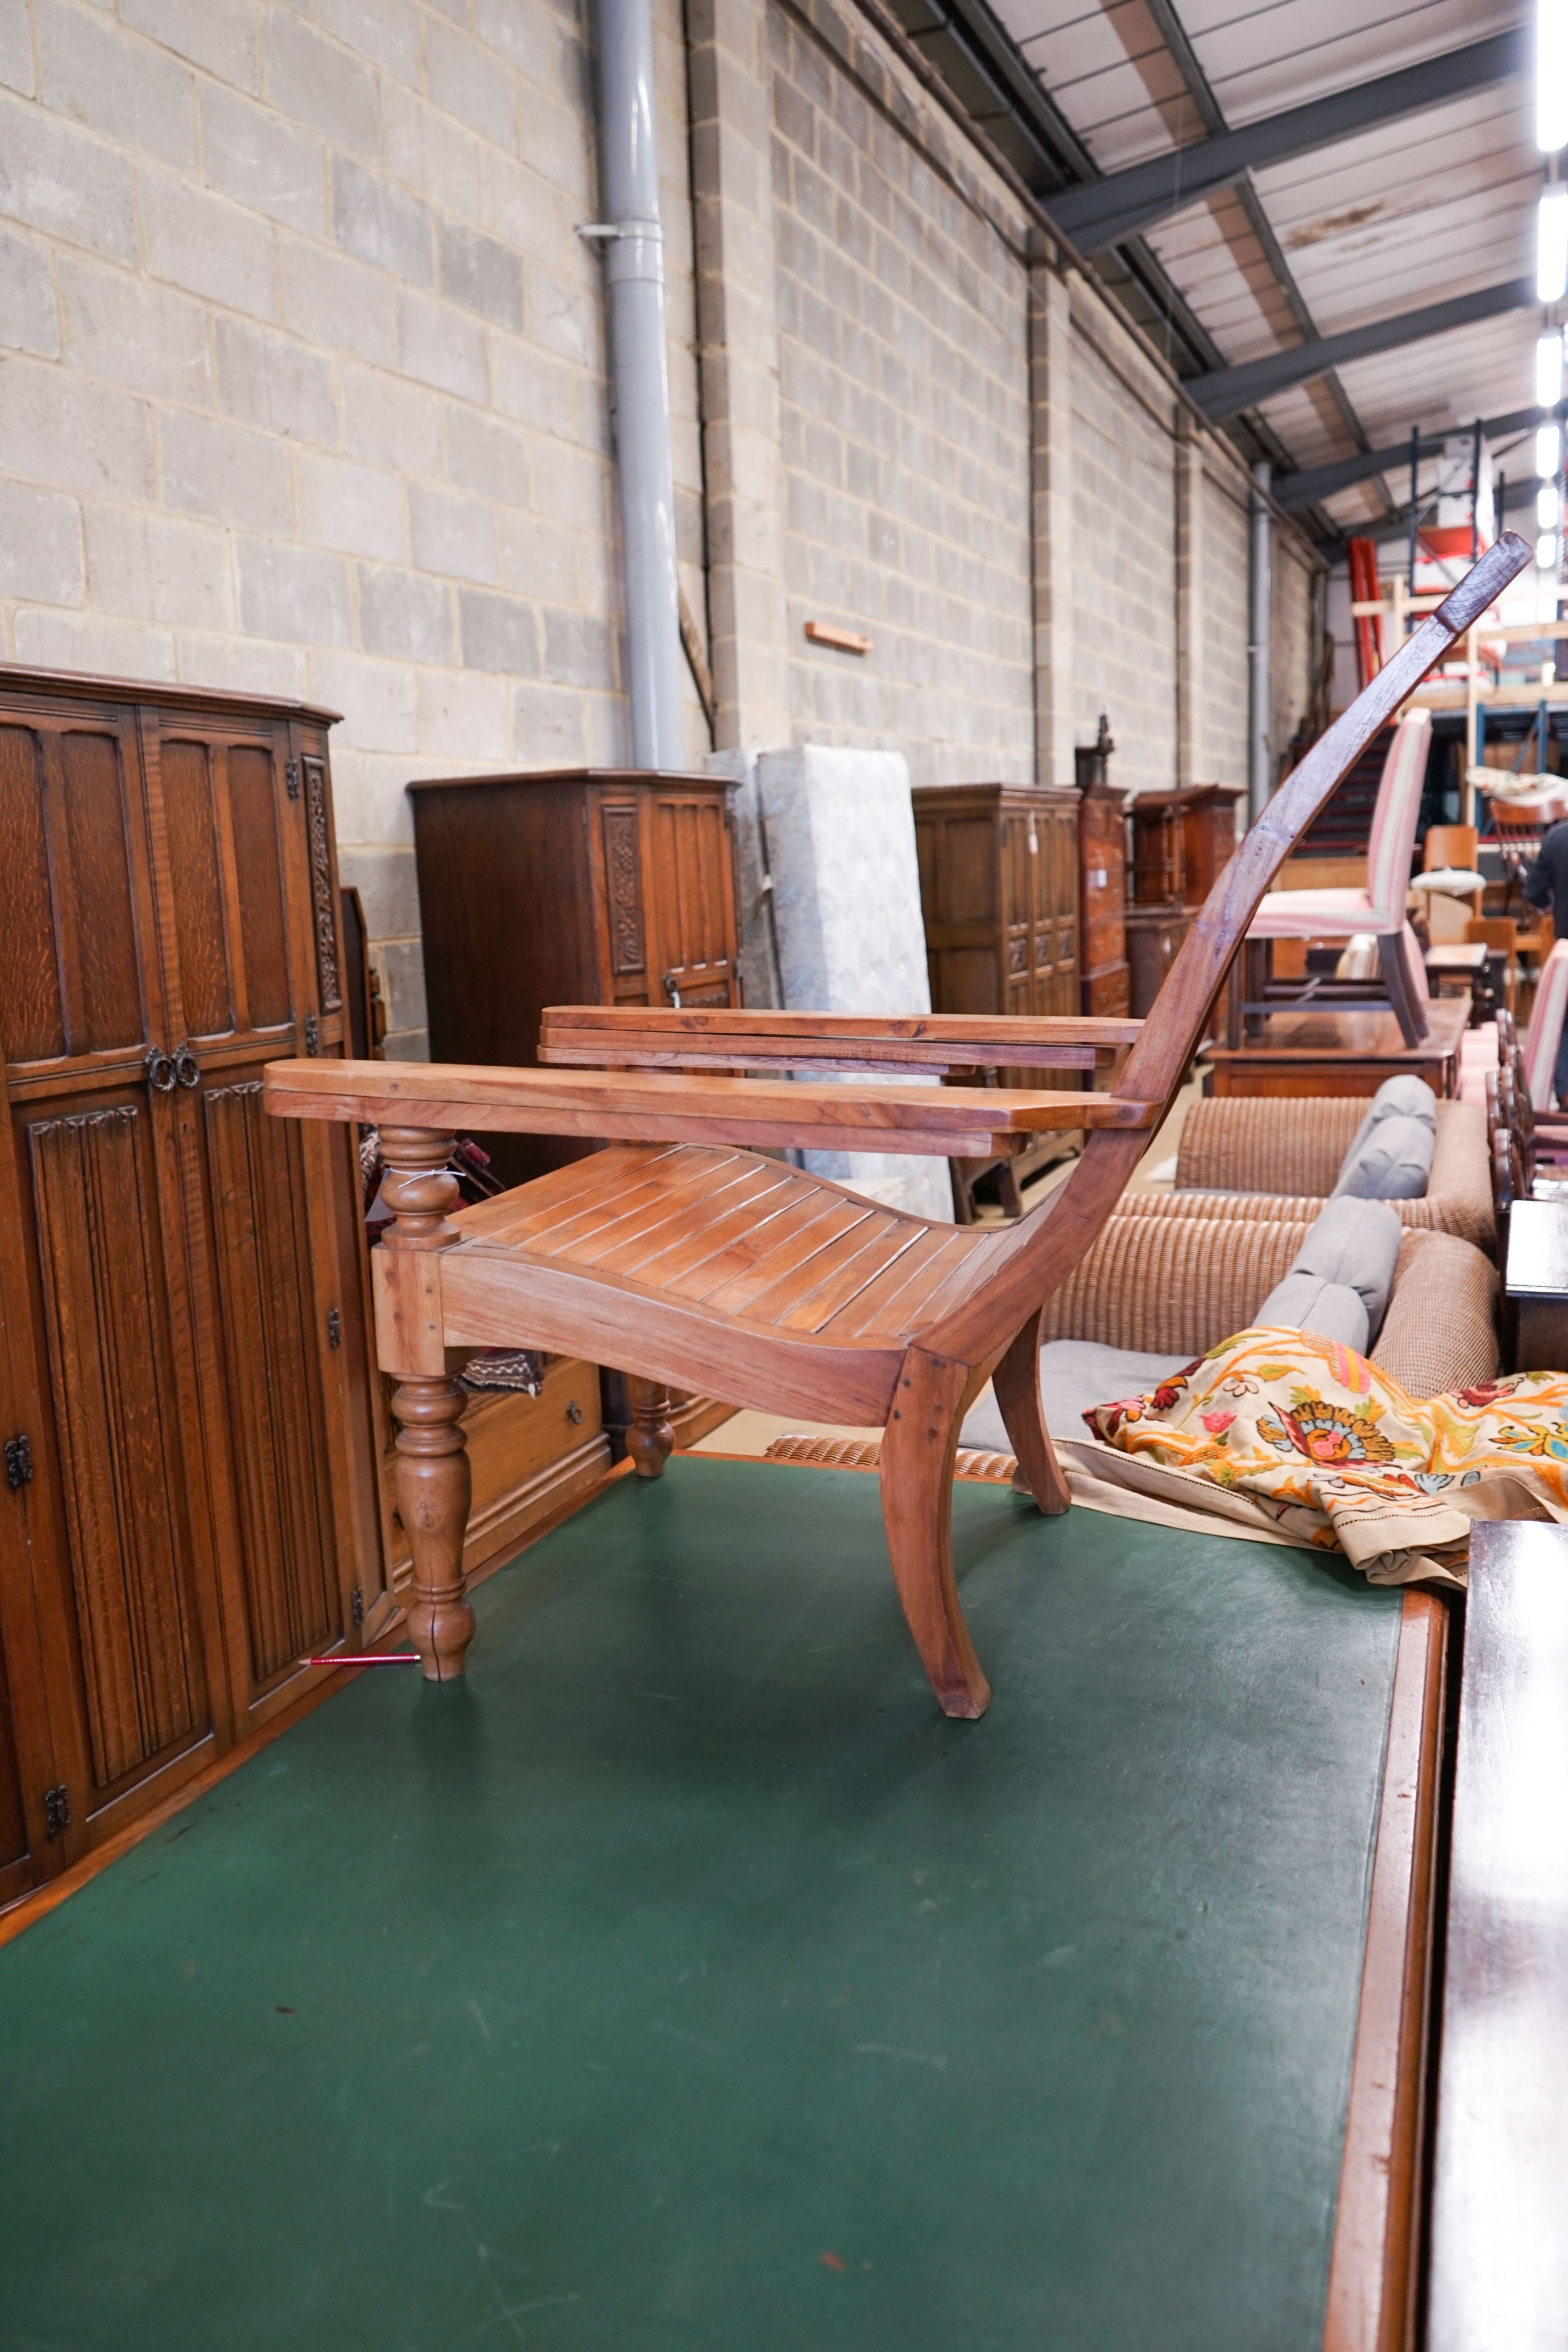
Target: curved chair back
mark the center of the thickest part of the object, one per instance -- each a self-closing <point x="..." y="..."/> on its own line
<point x="1545" y="1031"/>
<point x="1006" y="1279"/>
<point x="1392" y="841"/>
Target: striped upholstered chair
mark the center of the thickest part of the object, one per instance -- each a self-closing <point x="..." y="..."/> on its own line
<point x="1379" y="908"/>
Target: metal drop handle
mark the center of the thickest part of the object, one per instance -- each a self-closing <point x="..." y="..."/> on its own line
<point x="671" y="990"/>
<point x="161" y="1073"/>
<point x="187" y="1069"/>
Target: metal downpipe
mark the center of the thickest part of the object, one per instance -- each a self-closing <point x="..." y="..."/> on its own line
<point x="1260" y="639"/>
<point x="633" y="243"/>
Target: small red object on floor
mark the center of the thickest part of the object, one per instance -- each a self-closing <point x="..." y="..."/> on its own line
<point x="368" y="1658"/>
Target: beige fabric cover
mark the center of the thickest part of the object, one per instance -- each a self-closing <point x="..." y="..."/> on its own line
<point x="1279" y="1158"/>
<point x="1440" y="1332"/>
<point x="1172" y="1285"/>
<point x="1289" y="1144"/>
<point x="1178" y="1285"/>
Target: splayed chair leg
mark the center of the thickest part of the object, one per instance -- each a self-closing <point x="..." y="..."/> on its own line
<point x="917" y="1450"/>
<point x="1017" y="1384"/>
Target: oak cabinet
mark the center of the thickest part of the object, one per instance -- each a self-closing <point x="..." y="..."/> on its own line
<point x="998" y="893"/>
<point x="587" y="885"/>
<point x="1103" y="877"/>
<point x="999" y="896"/>
<point x="190" y="1508"/>
<point x="1182" y="841"/>
<point x="582" y="885"/>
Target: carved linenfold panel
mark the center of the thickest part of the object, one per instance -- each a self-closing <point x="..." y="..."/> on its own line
<point x="623" y="877"/>
<point x="1018" y="952"/>
<point x="196" y="873"/>
<point x="259" y="1213"/>
<point x="264" y="923"/>
<point x="32" y="1013"/>
<point x="322" y="887"/>
<point x="120" y="1470"/>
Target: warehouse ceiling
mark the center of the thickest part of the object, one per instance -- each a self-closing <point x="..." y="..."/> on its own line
<point x="1352" y="184"/>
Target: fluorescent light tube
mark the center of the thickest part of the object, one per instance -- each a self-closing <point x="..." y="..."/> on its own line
<point x="1549" y="370"/>
<point x="1551" y="246"/>
<point x="1546" y="507"/>
<point x="1550" y="76"/>
<point x="1546" y="551"/>
<point x="1548" y="452"/>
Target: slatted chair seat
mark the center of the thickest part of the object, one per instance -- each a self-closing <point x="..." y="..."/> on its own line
<point x="680" y="1254"/>
<point x="736" y="1234"/>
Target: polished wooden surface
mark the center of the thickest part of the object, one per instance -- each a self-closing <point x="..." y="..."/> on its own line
<point x="183" y="1332"/>
<point x="1500" y="2242"/>
<point x="1324" y="1052"/>
<point x="683" y="1107"/>
<point x="928" y="1041"/>
<point x="707" y="1268"/>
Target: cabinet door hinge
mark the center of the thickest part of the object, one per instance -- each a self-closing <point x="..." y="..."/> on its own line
<point x="312" y="1034"/>
<point x="357" y="1604"/>
<point x="334" y="1328"/>
<point x="291" y="778"/>
<point x="56" y="1812"/>
<point x="18" y="1462"/>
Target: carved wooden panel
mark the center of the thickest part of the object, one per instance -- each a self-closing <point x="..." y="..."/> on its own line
<point x="623" y="887"/>
<point x="693" y="901"/>
<point x="253" y="820"/>
<point x="32" y="1012"/>
<point x="69" y="980"/>
<point x="13" y="1823"/>
<point x="119" y="1453"/>
<point x="322" y="884"/>
<point x="259" y="1216"/>
<point x="196" y="875"/>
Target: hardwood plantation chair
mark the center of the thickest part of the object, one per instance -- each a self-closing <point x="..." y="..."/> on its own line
<point x="683" y="1257"/>
<point x="1379" y="908"/>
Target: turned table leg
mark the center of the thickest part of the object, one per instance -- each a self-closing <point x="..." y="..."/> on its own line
<point x="435" y="1488"/>
<point x="434" y="1483"/>
<point x="648" y="1436"/>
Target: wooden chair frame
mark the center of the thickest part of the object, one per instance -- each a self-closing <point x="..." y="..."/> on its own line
<point x="447" y="1282"/>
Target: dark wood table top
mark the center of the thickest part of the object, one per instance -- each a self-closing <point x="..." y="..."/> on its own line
<point x="1537" y="1263"/>
<point x="1499" y="2223"/>
<point x="1314" y="1031"/>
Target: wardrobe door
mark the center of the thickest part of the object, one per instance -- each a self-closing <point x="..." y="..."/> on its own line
<point x="96" y="1513"/>
<point x="243" y="964"/>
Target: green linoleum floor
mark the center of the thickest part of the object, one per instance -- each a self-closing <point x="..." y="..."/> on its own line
<point x="683" y="1982"/>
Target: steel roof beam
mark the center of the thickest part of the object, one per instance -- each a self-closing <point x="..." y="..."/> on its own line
<point x="1110" y="209"/>
<point x="1304" y="490"/>
<point x="1226" y="390"/>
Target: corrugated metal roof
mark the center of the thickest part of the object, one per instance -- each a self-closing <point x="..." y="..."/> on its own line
<point x="1432" y="205"/>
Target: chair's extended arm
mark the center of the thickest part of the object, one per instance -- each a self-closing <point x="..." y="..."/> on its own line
<point x="668" y="1106"/>
<point x="643" y="1038"/>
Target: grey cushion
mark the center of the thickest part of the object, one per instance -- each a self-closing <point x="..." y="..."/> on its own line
<point x="1392" y="1163"/>
<point x="1401" y="1097"/>
<point x="1306" y="1302"/>
<point x="1073" y="1375"/>
<point x="1355" y="1242"/>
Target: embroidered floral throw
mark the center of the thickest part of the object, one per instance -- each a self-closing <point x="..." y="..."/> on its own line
<point x="1339" y="1456"/>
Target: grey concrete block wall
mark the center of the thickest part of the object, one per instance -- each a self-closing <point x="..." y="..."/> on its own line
<point x="303" y="390"/>
<point x="903" y="376"/>
<point x="303" y="386"/>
